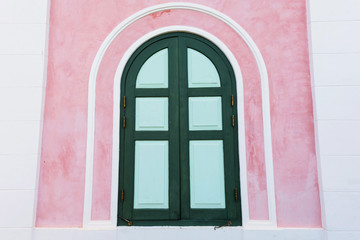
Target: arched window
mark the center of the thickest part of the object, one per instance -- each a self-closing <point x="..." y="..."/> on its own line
<point x="179" y="151"/>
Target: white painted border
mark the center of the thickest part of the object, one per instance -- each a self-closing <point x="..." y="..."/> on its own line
<point x="87" y="223"/>
<point x="188" y="233"/>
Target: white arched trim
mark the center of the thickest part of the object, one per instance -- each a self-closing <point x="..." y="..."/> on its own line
<point x="87" y="222"/>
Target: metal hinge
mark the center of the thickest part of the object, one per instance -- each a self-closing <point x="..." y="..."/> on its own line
<point x="124" y="102"/>
<point x="233" y="120"/>
<point x="236" y="194"/>
<point x="232" y="100"/>
<point x="124" y="122"/>
<point x="122" y="194"/>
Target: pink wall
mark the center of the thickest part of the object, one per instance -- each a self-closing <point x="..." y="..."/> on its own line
<point x="77" y="29"/>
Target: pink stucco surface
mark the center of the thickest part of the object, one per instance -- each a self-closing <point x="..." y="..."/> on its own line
<point x="77" y="29"/>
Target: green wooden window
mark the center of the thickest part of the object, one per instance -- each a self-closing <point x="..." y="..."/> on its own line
<point x="179" y="151"/>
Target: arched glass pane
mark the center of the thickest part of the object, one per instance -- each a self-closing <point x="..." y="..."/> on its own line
<point x="201" y="71"/>
<point x="154" y="72"/>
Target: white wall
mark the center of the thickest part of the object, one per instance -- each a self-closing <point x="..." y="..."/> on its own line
<point x="335" y="52"/>
<point x="23" y="31"/>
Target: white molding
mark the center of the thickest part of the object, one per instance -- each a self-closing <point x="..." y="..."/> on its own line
<point x="164" y="233"/>
<point x="315" y="115"/>
<point x="43" y="85"/>
<point x="87" y="223"/>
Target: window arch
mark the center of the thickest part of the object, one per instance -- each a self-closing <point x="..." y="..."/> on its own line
<point x="179" y="150"/>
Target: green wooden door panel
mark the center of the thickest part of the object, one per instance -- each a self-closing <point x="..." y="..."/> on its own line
<point x="207" y="186"/>
<point x="205" y="113"/>
<point x="151" y="185"/>
<point x="154" y="72"/>
<point x="151" y="114"/>
<point x="201" y="71"/>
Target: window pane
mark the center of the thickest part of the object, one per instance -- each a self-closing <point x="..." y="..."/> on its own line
<point x="205" y="113"/>
<point x="151" y="183"/>
<point x="201" y="71"/>
<point x="207" y="187"/>
<point x="154" y="72"/>
<point x="151" y="114"/>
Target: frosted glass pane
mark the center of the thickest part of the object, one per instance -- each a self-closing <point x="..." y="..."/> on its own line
<point x="207" y="187"/>
<point x="154" y="72"/>
<point x="201" y="71"/>
<point x="205" y="113"/>
<point x="151" y="114"/>
<point x="151" y="185"/>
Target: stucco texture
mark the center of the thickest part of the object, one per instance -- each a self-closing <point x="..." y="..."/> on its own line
<point x="78" y="28"/>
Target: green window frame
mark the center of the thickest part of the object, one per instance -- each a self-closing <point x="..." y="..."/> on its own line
<point x="179" y="212"/>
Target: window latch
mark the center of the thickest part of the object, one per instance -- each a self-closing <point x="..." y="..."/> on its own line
<point x="125" y="220"/>
<point x="229" y="223"/>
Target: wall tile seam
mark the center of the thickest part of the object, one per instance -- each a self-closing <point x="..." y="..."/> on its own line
<point x="341" y="191"/>
<point x="16" y="228"/>
<point x="349" y="85"/>
<point x="342" y="230"/>
<point x="356" y="231"/>
<point x="333" y="86"/>
<point x="22" y="87"/>
<point x="20" y="154"/>
<point x="17" y="189"/>
<point x="23" y="23"/>
<point x="335" y="21"/>
<point x="336" y="87"/>
<point x="334" y="229"/>
<point x="337" y="120"/>
<point x="23" y="54"/>
<point x="353" y="156"/>
<point x="337" y="52"/>
<point x="20" y="120"/>
<point x="14" y="154"/>
<point x="327" y="155"/>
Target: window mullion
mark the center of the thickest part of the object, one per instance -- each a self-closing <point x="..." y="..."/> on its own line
<point x="174" y="151"/>
<point x="184" y="143"/>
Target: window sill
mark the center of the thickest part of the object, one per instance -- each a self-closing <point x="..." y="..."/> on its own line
<point x="180" y="223"/>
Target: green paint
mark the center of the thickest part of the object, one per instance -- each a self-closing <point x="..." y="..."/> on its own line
<point x="152" y="114"/>
<point x="226" y="177"/>
<point x="151" y="184"/>
<point x="207" y="187"/>
<point x="154" y="72"/>
<point x="205" y="113"/>
<point x="201" y="71"/>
